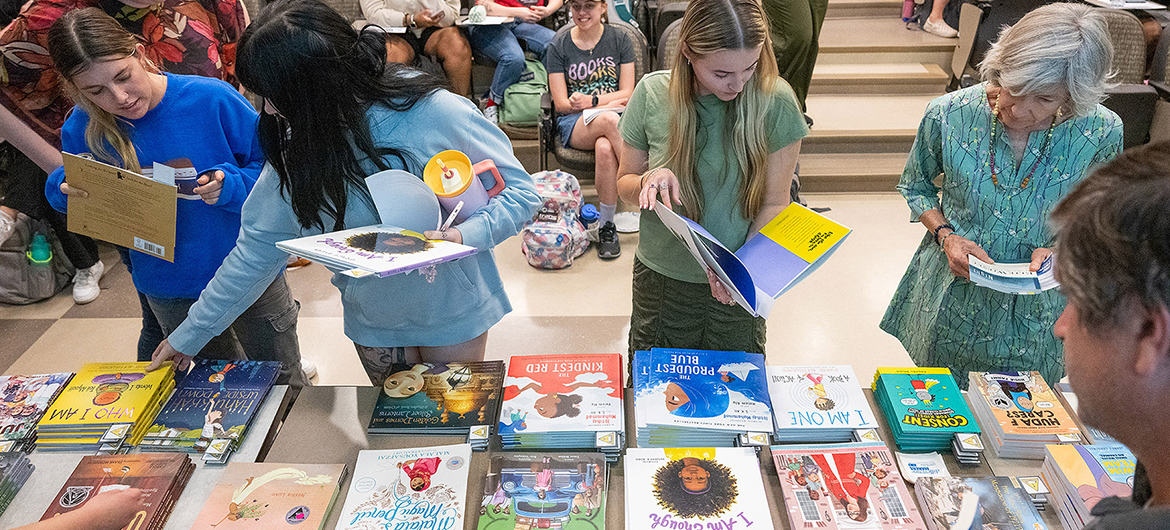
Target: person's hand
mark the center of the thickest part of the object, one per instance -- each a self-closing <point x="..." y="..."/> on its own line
<point x="528" y="15"/>
<point x="210" y="185"/>
<point x="718" y="290"/>
<point x="73" y="192"/>
<point x="541" y="12"/>
<point x="111" y="510"/>
<point x="957" y="248"/>
<point x="450" y="234"/>
<point x="163" y="353"/>
<point x="426" y="18"/>
<point x="579" y="101"/>
<point x="1038" y="257"/>
<point x="660" y="184"/>
<point x="620" y="102"/>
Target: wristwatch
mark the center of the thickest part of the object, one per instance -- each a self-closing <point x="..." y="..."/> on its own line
<point x="595" y="100"/>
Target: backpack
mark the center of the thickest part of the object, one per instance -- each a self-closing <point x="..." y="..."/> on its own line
<point x="521" y="107"/>
<point x="556" y="234"/>
<point x="23" y="282"/>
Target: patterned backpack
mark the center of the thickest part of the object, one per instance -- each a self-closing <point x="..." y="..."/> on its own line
<point x="556" y="234"/>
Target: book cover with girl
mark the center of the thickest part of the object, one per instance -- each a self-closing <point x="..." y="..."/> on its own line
<point x="1022" y="403"/>
<point x="705" y="389"/>
<point x="695" y="487"/>
<point x="574" y="392"/>
<point x="217" y="399"/>
<point x="408" y="488"/>
<point x="544" y="490"/>
<point x="854" y="485"/>
<point x="818" y="398"/>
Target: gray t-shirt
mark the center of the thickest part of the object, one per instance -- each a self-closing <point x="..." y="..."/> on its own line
<point x="1114" y="513"/>
<point x="593" y="71"/>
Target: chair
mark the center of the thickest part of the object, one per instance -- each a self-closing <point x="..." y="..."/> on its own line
<point x="1132" y="100"/>
<point x="668" y="11"/>
<point x="575" y="160"/>
<point x="668" y="45"/>
<point x="970" y="16"/>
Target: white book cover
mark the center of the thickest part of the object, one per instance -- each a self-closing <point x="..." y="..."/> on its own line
<point x="558" y="393"/>
<point x="818" y="397"/>
<point x="378" y="250"/>
<point x="408" y="488"/>
<point x="696" y="487"/>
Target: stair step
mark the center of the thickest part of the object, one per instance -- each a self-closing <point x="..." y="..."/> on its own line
<point x="882" y="78"/>
<point x="881" y="40"/>
<point x="864" y="123"/>
<point x="864" y="9"/>
<point x="850" y="172"/>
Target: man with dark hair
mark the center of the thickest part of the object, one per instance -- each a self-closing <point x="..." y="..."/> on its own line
<point x="1113" y="263"/>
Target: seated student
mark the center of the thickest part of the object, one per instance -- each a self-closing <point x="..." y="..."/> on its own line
<point x="501" y="42"/>
<point x="1113" y="264"/>
<point x="131" y="115"/>
<point x="428" y="32"/>
<point x="590" y="67"/>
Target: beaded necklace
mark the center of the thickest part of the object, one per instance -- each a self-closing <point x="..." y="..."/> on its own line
<point x="1043" y="149"/>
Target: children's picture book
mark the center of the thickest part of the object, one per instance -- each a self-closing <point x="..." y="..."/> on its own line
<point x="558" y="393"/>
<point x="375" y="250"/>
<point x="851" y="485"/>
<point x="215" y="400"/>
<point x="439" y="398"/>
<point x="1079" y="476"/>
<point x="262" y="496"/>
<point x="1004" y="506"/>
<point x="544" y="490"/>
<point x="786" y="250"/>
<point x="100" y="397"/>
<point x="924" y="408"/>
<point x="818" y="403"/>
<point x="1013" y="278"/>
<point x="161" y="477"/>
<point x="697" y="487"/>
<point x="1022" y="404"/>
<point x="23" y="399"/>
<point x="15" y="469"/>
<point x="408" y="488"/>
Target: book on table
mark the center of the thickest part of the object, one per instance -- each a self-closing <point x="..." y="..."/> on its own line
<point x="440" y="399"/>
<point x="566" y="401"/>
<point x="262" y="496"/>
<point x="1020" y="413"/>
<point x="161" y="477"/>
<point x="818" y="403"/>
<point x="846" y="485"/>
<point x="544" y="490"/>
<point x="1079" y="476"/>
<point x="408" y="488"/>
<point x="924" y="407"/>
<point x="15" y="468"/>
<point x="695" y="487"/>
<point x="25" y="398"/>
<point x="378" y="250"/>
<point x="785" y="251"/>
<point x="1003" y="505"/>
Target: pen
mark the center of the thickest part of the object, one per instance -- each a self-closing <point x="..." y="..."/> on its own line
<point x="451" y="218"/>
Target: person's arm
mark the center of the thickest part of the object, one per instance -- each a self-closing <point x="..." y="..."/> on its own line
<point x="549" y="7"/>
<point x="227" y="185"/>
<point x="109" y="510"/>
<point x="22" y="137"/>
<point x="621" y="96"/>
<point x="521" y="13"/>
<point x="778" y="190"/>
<point x="559" y="90"/>
<point x="385" y="13"/>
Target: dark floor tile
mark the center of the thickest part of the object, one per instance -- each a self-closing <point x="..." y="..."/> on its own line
<point x="17" y="336"/>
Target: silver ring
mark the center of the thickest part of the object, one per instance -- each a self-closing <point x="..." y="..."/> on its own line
<point x="666" y="186"/>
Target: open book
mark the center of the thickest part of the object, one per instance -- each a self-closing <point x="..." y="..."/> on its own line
<point x="783" y="253"/>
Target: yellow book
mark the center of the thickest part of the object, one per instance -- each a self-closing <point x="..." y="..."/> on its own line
<point x="106" y="394"/>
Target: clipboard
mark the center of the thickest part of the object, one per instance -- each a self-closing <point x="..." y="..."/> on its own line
<point x="124" y="208"/>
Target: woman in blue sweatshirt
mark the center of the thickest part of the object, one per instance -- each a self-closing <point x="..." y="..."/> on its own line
<point x="131" y="115"/>
<point x="335" y="112"/>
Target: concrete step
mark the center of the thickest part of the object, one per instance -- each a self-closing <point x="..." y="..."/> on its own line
<point x="864" y="9"/>
<point x="882" y="78"/>
<point x="863" y="124"/>
<point x="881" y="40"/>
<point x="851" y="172"/>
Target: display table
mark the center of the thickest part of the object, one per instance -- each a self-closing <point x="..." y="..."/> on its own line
<point x="327" y="425"/>
<point x="53" y="469"/>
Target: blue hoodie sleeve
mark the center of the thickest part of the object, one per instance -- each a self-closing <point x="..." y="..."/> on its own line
<point x="239" y="121"/>
<point x="72" y="141"/>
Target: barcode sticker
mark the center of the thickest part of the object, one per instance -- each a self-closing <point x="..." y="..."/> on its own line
<point x="147" y="246"/>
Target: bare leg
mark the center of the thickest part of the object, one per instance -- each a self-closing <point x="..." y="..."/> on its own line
<point x="472" y="350"/>
<point x="601" y="136"/>
<point x="936" y="10"/>
<point x="451" y="49"/>
<point x="398" y="51"/>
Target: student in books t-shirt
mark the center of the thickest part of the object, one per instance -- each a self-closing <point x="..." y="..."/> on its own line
<point x="591" y="67"/>
<point x="715" y="139"/>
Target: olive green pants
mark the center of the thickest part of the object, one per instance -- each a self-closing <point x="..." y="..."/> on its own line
<point x="796" y="32"/>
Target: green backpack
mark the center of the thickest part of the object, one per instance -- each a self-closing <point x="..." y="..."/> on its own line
<point x="521" y="106"/>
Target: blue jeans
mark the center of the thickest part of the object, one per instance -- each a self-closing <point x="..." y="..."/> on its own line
<point x="500" y="43"/>
<point x="266" y="331"/>
<point x="151" y="334"/>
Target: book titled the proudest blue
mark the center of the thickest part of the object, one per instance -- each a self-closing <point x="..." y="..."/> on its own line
<point x="216" y="400"/>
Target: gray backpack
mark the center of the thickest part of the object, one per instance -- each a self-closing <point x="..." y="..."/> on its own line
<point x="21" y="280"/>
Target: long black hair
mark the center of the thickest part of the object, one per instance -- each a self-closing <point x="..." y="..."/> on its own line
<point x="321" y="75"/>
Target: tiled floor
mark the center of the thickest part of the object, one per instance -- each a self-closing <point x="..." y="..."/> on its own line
<point x="831" y="318"/>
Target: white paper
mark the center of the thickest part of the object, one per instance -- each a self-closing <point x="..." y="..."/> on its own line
<point x="487" y="21"/>
<point x="1012" y="278"/>
<point x="590" y="114"/>
<point x="916" y="465"/>
<point x="163" y="173"/>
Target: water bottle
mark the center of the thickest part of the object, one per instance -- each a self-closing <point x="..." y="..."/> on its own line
<point x="907" y="10"/>
<point x="39" y="252"/>
<point x="589" y="216"/>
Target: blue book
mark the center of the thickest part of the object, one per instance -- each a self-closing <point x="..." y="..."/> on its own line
<point x="718" y="390"/>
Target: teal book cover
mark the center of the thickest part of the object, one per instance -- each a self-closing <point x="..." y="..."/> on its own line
<point x="217" y="399"/>
<point x="429" y="395"/>
<point x="544" y="490"/>
<point x="926" y="403"/>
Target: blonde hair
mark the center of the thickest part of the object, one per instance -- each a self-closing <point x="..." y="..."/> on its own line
<point x="77" y="41"/>
<point x="709" y="26"/>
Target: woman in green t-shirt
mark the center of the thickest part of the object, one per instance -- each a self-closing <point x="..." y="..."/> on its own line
<point x="723" y="155"/>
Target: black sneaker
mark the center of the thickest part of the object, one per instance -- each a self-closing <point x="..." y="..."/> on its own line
<point x="607" y="241"/>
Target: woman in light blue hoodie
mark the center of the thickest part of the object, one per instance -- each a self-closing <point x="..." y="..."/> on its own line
<point x="335" y="112"/>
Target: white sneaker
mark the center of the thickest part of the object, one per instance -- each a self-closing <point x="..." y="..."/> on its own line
<point x="492" y="113"/>
<point x="309" y="368"/>
<point x="940" y="29"/>
<point x="7" y="226"/>
<point x="85" y="283"/>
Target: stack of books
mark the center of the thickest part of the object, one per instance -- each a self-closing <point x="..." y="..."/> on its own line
<point x="408" y="488"/>
<point x="924" y="407"/>
<point x="106" y="407"/>
<point x="161" y="477"/>
<point x="211" y="408"/>
<point x="818" y="403"/>
<point x="460" y="398"/>
<point x="1001" y="504"/>
<point x="23" y="400"/>
<point x="843" y="485"/>
<point x="696" y="487"/>
<point x="544" y="490"/>
<point x="699" y="398"/>
<point x="1080" y="475"/>
<point x="1021" y="413"/>
<point x="267" y="495"/>
<point x="15" y="469"/>
<point x="564" y="402"/>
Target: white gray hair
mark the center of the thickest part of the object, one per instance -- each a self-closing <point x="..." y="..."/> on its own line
<point x="1061" y="45"/>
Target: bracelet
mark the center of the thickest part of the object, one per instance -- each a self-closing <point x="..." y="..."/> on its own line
<point x="944" y="239"/>
<point x="939" y="228"/>
<point x="642" y="183"/>
<point x="412" y="22"/>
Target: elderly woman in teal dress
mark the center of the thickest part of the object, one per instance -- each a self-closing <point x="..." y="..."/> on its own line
<point x="1008" y="150"/>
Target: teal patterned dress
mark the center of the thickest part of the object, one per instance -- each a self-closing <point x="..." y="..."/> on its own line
<point x="944" y="320"/>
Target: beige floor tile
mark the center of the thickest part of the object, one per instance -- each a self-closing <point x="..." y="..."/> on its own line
<point x="18" y="335"/>
<point x="323" y="341"/>
<point x="119" y="298"/>
<point x="72" y="342"/>
<point x="310" y="285"/>
<point x="53" y="308"/>
<point x="521" y="335"/>
<point x="591" y="287"/>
